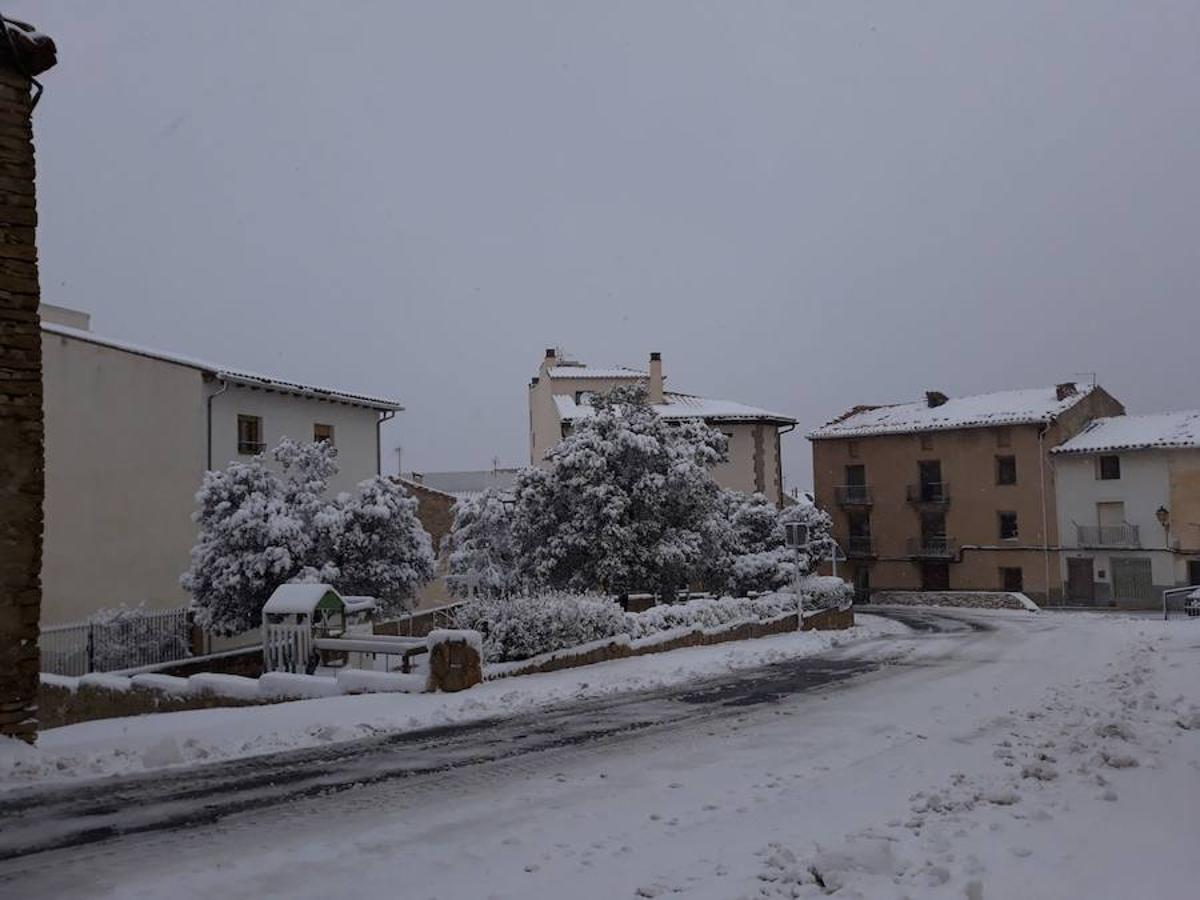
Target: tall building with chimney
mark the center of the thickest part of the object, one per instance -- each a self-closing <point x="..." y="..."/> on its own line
<point x="560" y="396"/>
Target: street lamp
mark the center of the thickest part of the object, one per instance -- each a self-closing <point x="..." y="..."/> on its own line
<point x="1164" y="519"/>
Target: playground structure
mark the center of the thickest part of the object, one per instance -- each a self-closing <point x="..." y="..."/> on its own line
<point x="307" y="627"/>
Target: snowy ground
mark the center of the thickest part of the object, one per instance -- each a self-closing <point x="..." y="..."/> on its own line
<point x="1051" y="756"/>
<point x="141" y="743"/>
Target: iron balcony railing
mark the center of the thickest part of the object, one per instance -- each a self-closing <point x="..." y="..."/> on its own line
<point x="860" y="545"/>
<point x="853" y="494"/>
<point x="933" y="547"/>
<point x="929" y="492"/>
<point x="251" y="448"/>
<point x="1124" y="535"/>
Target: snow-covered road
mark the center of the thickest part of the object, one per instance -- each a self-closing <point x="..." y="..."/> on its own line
<point x="1034" y="756"/>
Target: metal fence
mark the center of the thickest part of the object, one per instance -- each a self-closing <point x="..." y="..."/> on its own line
<point x="130" y="639"/>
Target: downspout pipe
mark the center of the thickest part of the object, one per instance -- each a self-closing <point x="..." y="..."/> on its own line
<point x="211" y="397"/>
<point x="1045" y="519"/>
<point x="385" y="416"/>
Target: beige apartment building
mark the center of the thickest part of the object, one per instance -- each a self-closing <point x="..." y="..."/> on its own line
<point x="559" y="396"/>
<point x="952" y="493"/>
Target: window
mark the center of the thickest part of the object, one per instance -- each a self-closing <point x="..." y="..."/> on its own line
<point x="856" y="475"/>
<point x="583" y="398"/>
<point x="249" y="435"/>
<point x="926" y="441"/>
<point x="1003" y="437"/>
<point x="323" y="433"/>
<point x="566" y="429"/>
<point x="1108" y="468"/>
<point x="1012" y="579"/>
<point x="1006" y="470"/>
<point x="852" y="449"/>
<point x="1008" y="526"/>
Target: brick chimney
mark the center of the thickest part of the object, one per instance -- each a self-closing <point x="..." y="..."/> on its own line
<point x="934" y="399"/>
<point x="1065" y="390"/>
<point x="550" y="360"/>
<point x="655" y="389"/>
<point x="23" y="55"/>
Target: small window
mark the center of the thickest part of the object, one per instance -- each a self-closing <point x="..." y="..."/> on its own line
<point x="566" y="429"/>
<point x="583" y="398"/>
<point x="852" y="449"/>
<point x="1006" y="470"/>
<point x="1003" y="437"/>
<point x="1008" y="526"/>
<point x="1108" y="468"/>
<point x="1012" y="579"/>
<point x="249" y="435"/>
<point x="926" y="441"/>
<point x="323" y="433"/>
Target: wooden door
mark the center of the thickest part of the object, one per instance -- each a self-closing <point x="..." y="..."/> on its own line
<point x="1081" y="581"/>
<point x="935" y="577"/>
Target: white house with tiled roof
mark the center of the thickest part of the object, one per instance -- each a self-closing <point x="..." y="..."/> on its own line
<point x="559" y="396"/>
<point x="1128" y="491"/>
<point x="130" y="431"/>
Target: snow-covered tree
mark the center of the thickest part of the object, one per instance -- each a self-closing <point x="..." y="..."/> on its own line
<point x="260" y="528"/>
<point x="482" y="553"/>
<point x="759" y="559"/>
<point x="379" y="546"/>
<point x="250" y="542"/>
<point x="624" y="502"/>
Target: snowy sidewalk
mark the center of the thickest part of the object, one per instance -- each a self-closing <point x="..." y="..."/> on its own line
<point x="141" y="743"/>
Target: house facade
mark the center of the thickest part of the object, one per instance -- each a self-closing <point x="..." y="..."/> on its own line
<point x="559" y="396"/>
<point x="1129" y="508"/>
<point x="130" y="432"/>
<point x="952" y="493"/>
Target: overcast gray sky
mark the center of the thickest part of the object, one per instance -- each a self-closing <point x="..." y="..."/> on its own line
<point x="803" y="205"/>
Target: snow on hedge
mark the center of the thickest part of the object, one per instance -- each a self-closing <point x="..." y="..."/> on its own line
<point x="519" y="628"/>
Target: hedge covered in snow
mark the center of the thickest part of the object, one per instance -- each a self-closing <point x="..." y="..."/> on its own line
<point x="518" y="628"/>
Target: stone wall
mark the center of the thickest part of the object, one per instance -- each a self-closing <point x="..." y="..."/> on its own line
<point x="21" y="433"/>
<point x="59" y="705"/>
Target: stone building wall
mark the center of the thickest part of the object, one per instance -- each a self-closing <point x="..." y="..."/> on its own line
<point x="21" y="463"/>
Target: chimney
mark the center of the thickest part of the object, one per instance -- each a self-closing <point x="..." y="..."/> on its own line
<point x="24" y="54"/>
<point x="1065" y="390"/>
<point x="935" y="399"/>
<point x="550" y="360"/>
<point x="655" y="394"/>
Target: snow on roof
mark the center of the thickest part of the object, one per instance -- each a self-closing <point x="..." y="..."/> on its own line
<point x="1022" y="407"/>
<point x="297" y="598"/>
<point x="1157" y="430"/>
<point x="683" y="406"/>
<point x="249" y="379"/>
<point x="590" y="372"/>
<point x="358" y="603"/>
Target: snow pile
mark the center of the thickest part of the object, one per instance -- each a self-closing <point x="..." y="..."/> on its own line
<point x="220" y="685"/>
<point x="363" y="681"/>
<point x="515" y="628"/>
<point x="170" y="685"/>
<point x="296" y="686"/>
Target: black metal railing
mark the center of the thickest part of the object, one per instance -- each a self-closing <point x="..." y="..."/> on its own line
<point x="929" y="492"/>
<point x="1124" y="535"/>
<point x="130" y="638"/>
<point x="933" y="547"/>
<point x="853" y="494"/>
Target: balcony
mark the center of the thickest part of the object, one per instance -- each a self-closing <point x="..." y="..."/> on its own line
<point x="932" y="547"/>
<point x="1124" y="535"/>
<point x="859" y="546"/>
<point x="930" y="493"/>
<point x="853" y="495"/>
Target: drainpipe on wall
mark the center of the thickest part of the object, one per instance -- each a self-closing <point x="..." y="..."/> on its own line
<point x="211" y="397"/>
<point x="386" y="416"/>
<point x="1045" y="519"/>
<point x="779" y="433"/>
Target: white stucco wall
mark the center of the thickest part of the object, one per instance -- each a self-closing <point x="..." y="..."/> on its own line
<point x="125" y="448"/>
<point x="288" y="416"/>
<point x="1143" y="487"/>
